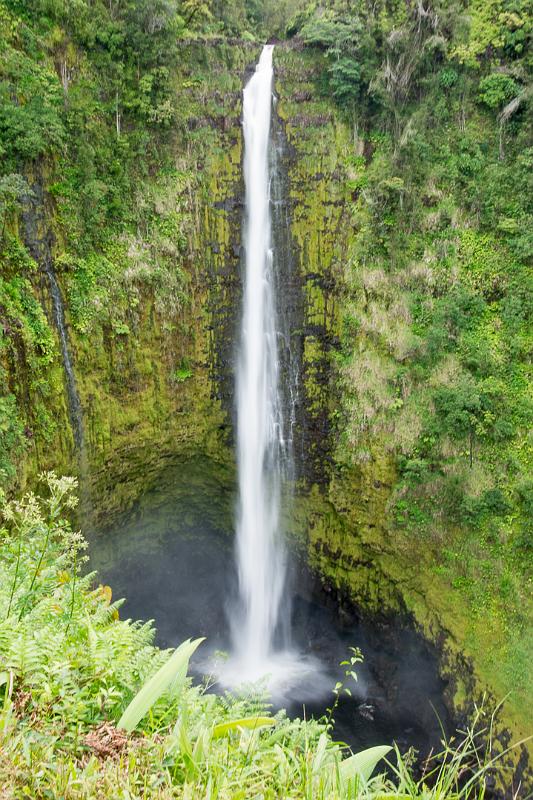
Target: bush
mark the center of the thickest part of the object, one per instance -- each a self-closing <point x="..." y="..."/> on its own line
<point x="497" y="89"/>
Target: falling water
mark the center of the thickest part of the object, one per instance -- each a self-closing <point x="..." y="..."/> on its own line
<point x="72" y="391"/>
<point x="39" y="240"/>
<point x="260" y="554"/>
<point x="40" y="247"/>
<point x="259" y="620"/>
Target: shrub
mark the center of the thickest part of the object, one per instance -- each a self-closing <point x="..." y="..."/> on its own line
<point x="497" y="89"/>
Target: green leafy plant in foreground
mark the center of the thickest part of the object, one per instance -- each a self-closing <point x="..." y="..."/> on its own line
<point x="89" y="708"/>
<point x="173" y="673"/>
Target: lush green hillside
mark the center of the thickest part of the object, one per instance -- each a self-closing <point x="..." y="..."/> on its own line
<point x="410" y="134"/>
<point x="85" y="116"/>
<point x="433" y="443"/>
<point x="115" y="128"/>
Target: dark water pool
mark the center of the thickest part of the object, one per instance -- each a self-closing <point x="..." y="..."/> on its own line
<point x="171" y="556"/>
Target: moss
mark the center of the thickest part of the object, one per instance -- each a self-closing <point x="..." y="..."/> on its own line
<point x="125" y="361"/>
<point x="138" y="418"/>
<point x="344" y="535"/>
<point x="315" y="142"/>
<point x="342" y="519"/>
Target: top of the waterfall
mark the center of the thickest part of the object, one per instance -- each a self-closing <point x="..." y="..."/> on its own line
<point x="265" y="59"/>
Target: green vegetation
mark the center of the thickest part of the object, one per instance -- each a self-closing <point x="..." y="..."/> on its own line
<point x="436" y="332"/>
<point x="90" y="708"/>
<point x="411" y="123"/>
<point x="99" y="174"/>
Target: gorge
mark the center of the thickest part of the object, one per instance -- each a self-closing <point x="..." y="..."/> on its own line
<point x="297" y="317"/>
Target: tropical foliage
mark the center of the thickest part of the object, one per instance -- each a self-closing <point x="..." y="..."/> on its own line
<point x="436" y="345"/>
<point x="101" y="170"/>
<point x="90" y="708"/>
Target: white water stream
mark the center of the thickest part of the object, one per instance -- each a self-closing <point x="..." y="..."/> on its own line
<point x="260" y="552"/>
<point x="262" y="454"/>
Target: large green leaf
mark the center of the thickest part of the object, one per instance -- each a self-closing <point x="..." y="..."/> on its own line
<point x="223" y="728"/>
<point x="320" y="753"/>
<point x="362" y="764"/>
<point x="172" y="672"/>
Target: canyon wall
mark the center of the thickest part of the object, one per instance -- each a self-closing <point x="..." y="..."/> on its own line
<point x="155" y="385"/>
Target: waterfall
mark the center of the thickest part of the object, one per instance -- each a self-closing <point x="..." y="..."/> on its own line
<point x="40" y="247"/>
<point x="39" y="240"/>
<point x="260" y="623"/>
<point x="72" y="390"/>
<point x="260" y="552"/>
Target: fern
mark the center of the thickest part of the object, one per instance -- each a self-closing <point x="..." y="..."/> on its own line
<point x="24" y="656"/>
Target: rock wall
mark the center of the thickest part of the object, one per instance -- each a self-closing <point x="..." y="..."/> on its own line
<point x="315" y="142"/>
<point x="342" y="522"/>
<point x="164" y="391"/>
<point x="160" y="389"/>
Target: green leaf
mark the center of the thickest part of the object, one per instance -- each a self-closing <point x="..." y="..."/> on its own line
<point x="223" y="728"/>
<point x="362" y="764"/>
<point x="170" y="673"/>
<point x="320" y="753"/>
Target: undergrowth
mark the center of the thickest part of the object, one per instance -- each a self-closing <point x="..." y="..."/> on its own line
<point x="90" y="708"/>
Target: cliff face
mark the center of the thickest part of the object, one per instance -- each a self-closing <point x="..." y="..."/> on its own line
<point x="345" y="520"/>
<point x="154" y="381"/>
<point x="314" y="144"/>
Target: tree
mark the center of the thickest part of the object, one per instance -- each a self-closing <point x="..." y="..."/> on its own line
<point x="197" y="12"/>
<point x="497" y="89"/>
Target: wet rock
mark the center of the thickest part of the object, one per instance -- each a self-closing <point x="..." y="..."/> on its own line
<point x="367" y="711"/>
